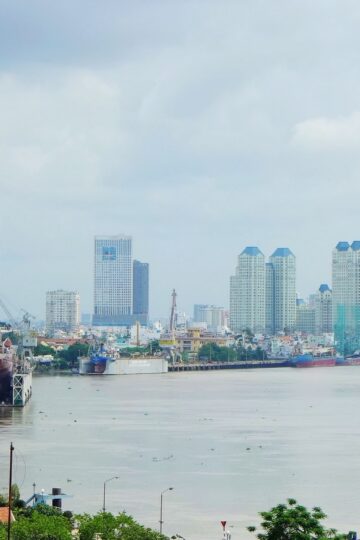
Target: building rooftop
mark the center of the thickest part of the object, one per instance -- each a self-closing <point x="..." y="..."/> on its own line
<point x="324" y="287"/>
<point x="342" y="246"/>
<point x="356" y="245"/>
<point x="282" y="252"/>
<point x="251" y="250"/>
<point x="4" y="514"/>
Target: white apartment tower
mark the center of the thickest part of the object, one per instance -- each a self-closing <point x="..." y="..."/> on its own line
<point x="113" y="281"/>
<point x="62" y="311"/>
<point x="346" y="296"/>
<point x="323" y="310"/>
<point x="247" y="292"/>
<point x="284" y="289"/>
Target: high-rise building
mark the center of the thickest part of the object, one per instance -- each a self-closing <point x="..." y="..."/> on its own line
<point x="113" y="281"/>
<point x="284" y="296"/>
<point x="323" y="310"/>
<point x="247" y="292"/>
<point x="141" y="292"/>
<point x="305" y="317"/>
<point x="62" y="311"/>
<point x="269" y="298"/>
<point x="213" y="316"/>
<point x="346" y="296"/>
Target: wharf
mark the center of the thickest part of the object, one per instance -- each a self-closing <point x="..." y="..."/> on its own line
<point x="241" y="364"/>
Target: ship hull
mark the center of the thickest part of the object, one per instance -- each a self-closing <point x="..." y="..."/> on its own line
<point x="309" y="361"/>
<point x="319" y="362"/>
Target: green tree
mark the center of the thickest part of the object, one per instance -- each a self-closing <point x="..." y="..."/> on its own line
<point x="38" y="526"/>
<point x="72" y="353"/>
<point x="110" y="527"/>
<point x="292" y="521"/>
<point x="42" y="349"/>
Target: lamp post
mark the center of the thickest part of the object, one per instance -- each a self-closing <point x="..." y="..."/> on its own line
<point x="161" y="507"/>
<point x="106" y="481"/>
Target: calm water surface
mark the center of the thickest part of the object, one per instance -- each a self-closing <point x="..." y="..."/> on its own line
<point x="231" y="443"/>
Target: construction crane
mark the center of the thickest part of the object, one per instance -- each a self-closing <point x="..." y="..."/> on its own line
<point x="8" y="314"/>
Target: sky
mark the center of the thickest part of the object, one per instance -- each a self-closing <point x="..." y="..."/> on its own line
<point x="196" y="127"/>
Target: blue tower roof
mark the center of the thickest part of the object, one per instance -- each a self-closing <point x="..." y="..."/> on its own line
<point x="356" y="245"/>
<point x="251" y="250"/>
<point x="282" y="252"/>
<point x="324" y="287"/>
<point x="342" y="246"/>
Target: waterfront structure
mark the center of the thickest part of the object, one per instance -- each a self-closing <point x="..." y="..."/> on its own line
<point x="113" y="279"/>
<point x="305" y="318"/>
<point x="247" y="292"/>
<point x="346" y="296"/>
<point x="62" y="311"/>
<point x="283" y="295"/>
<point x="213" y="316"/>
<point x="323" y="310"/>
<point x="141" y="292"/>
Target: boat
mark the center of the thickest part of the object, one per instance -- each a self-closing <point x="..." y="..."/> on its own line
<point x="309" y="360"/>
<point x="353" y="360"/>
<point x="7" y="361"/>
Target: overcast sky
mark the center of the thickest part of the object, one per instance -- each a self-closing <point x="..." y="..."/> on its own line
<point x="197" y="127"/>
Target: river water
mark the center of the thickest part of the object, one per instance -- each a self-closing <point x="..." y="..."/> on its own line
<point x="231" y="443"/>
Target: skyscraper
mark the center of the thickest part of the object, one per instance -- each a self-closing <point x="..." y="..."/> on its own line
<point x="346" y="296"/>
<point x="323" y="309"/>
<point x="247" y="292"/>
<point x="284" y="295"/>
<point x="62" y="311"/>
<point x="141" y="292"/>
<point x="269" y="298"/>
<point x="113" y="279"/>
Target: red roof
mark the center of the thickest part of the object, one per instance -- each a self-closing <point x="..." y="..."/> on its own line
<point x="4" y="514"/>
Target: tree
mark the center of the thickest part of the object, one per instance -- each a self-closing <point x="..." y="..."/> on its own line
<point x="292" y="521"/>
<point x="72" y="353"/>
<point x="110" y="527"/>
<point x="38" y="526"/>
<point x="42" y="350"/>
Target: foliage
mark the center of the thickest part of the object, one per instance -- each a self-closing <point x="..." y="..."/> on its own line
<point x="217" y="353"/>
<point x="292" y="521"/>
<point x="41" y="350"/>
<point x="110" y="527"/>
<point x="72" y="353"/>
<point x="38" y="526"/>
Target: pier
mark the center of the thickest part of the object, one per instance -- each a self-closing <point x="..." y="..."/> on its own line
<point x="241" y="364"/>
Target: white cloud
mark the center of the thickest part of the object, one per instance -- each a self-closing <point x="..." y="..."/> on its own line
<point x="329" y="134"/>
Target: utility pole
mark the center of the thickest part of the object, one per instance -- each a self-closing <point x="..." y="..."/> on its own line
<point x="10" y="484"/>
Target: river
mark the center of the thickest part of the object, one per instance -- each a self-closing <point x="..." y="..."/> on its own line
<point x="230" y="443"/>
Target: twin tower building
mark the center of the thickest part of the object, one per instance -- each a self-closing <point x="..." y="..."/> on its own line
<point x="263" y="294"/>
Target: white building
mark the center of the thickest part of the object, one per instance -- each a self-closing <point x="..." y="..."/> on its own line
<point x="284" y="293"/>
<point x="323" y="310"/>
<point x="113" y="281"/>
<point x="247" y="292"/>
<point x="346" y="296"/>
<point x="213" y="316"/>
<point x="62" y="311"/>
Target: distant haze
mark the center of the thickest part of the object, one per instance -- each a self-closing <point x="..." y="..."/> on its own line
<point x="196" y="127"/>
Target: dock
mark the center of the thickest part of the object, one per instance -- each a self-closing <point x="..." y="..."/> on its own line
<point x="241" y="364"/>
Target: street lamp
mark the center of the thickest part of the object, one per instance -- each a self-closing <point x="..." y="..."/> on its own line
<point x="106" y="481"/>
<point x="161" y="506"/>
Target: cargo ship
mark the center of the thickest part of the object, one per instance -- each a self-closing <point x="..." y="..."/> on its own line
<point x="102" y="361"/>
<point x="353" y="360"/>
<point x="7" y="361"/>
<point x="310" y="360"/>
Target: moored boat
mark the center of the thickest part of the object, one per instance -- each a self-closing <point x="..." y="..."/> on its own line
<point x="310" y="360"/>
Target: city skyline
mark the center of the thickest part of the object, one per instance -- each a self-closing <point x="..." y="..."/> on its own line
<point x="201" y="131"/>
